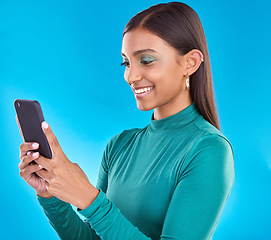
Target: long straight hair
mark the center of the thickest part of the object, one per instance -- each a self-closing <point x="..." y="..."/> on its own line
<point x="179" y="25"/>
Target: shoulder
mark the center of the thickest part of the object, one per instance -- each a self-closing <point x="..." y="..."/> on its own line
<point x="211" y="152"/>
<point x="210" y="138"/>
<point x="210" y="156"/>
<point x="209" y="149"/>
<point x="122" y="137"/>
<point x="116" y="144"/>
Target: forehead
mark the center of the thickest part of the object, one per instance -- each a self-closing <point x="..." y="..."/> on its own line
<point x="139" y="39"/>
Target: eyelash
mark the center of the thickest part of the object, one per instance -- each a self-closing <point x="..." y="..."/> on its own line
<point x="143" y="62"/>
<point x="124" y="63"/>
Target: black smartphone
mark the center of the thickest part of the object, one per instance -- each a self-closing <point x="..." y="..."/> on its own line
<point x="30" y="117"/>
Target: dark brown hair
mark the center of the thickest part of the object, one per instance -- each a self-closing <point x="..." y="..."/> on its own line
<point x="179" y="25"/>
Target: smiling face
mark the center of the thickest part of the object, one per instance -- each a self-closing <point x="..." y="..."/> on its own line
<point x="156" y="73"/>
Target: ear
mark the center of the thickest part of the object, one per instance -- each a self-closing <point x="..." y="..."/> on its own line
<point x="193" y="60"/>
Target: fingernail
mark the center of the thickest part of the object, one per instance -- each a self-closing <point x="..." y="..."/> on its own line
<point x="28" y="153"/>
<point x="35" y="154"/>
<point x="45" y="125"/>
<point x="35" y="145"/>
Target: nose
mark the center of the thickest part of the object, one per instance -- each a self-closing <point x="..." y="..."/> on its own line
<point x="132" y="75"/>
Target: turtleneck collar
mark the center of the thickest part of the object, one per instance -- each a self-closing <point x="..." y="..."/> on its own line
<point x="177" y="120"/>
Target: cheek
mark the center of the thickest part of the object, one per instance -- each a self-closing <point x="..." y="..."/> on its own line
<point x="156" y="73"/>
<point x="172" y="74"/>
<point x="163" y="76"/>
<point x="153" y="75"/>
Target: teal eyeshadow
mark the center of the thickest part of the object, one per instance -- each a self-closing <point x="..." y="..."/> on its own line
<point x="147" y="58"/>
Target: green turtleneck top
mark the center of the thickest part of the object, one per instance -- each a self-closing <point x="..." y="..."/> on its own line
<point x="169" y="180"/>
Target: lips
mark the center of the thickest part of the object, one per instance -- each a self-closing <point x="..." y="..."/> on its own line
<point x="141" y="92"/>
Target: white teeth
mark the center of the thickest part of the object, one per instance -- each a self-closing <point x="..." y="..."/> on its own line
<point x="143" y="90"/>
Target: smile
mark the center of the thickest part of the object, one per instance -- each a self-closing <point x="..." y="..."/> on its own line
<point x="142" y="92"/>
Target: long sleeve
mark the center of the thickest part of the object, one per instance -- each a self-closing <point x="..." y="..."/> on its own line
<point x="202" y="190"/>
<point x="65" y="221"/>
<point x="67" y="224"/>
<point x="103" y="215"/>
<point x="108" y="222"/>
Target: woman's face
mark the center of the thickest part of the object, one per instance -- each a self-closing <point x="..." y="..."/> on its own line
<point x="156" y="73"/>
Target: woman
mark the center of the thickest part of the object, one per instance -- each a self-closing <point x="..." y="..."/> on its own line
<point x="169" y="180"/>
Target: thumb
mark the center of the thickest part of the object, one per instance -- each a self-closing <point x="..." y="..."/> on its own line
<point x="51" y="138"/>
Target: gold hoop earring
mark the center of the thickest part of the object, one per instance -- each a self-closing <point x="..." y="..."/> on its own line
<point x="187" y="82"/>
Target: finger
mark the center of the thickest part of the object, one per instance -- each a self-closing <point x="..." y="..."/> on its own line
<point x="28" y="170"/>
<point x="21" y="132"/>
<point x="45" y="162"/>
<point x="47" y="176"/>
<point x="27" y="159"/>
<point x="52" y="140"/>
<point x="27" y="146"/>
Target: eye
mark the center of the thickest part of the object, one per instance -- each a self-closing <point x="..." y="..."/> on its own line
<point x="125" y="63"/>
<point x="145" y="60"/>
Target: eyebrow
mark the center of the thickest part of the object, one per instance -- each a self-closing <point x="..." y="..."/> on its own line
<point x="140" y="51"/>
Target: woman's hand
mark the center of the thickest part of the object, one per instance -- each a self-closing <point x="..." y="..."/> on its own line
<point x="28" y="168"/>
<point x="64" y="179"/>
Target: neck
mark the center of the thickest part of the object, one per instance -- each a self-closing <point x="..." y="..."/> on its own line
<point x="166" y="111"/>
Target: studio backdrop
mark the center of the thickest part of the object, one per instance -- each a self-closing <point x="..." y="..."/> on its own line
<point x="66" y="55"/>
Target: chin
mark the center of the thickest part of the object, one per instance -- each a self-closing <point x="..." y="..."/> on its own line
<point x="144" y="107"/>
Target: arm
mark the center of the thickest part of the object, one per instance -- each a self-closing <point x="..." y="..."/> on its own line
<point x="202" y="190"/>
<point x="65" y="221"/>
<point x="103" y="216"/>
<point x="61" y="216"/>
<point x="107" y="221"/>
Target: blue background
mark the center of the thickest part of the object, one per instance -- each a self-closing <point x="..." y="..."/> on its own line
<point x="66" y="55"/>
